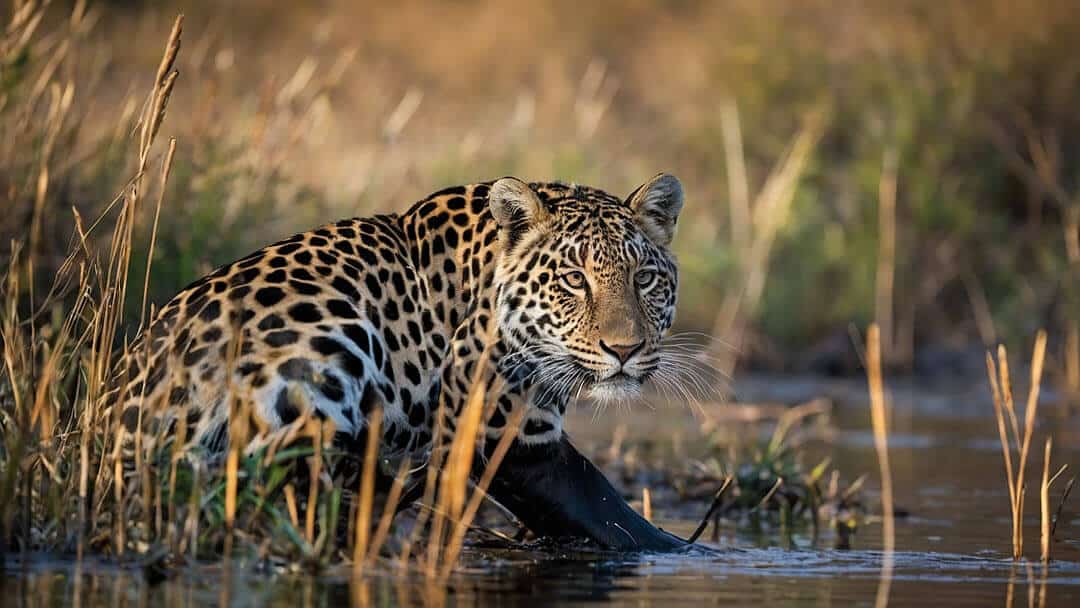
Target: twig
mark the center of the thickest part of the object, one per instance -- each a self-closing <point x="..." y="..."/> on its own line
<point x="712" y="510"/>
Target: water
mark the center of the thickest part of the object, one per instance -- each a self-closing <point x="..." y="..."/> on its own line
<point x="952" y="550"/>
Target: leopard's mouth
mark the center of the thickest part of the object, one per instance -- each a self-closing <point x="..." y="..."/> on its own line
<point x="618" y="387"/>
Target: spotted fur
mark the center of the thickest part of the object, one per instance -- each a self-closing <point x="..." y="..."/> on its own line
<point x="570" y="288"/>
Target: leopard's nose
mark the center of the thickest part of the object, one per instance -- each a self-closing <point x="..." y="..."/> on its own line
<point x="622" y="352"/>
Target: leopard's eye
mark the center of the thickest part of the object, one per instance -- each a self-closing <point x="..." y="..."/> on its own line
<point x="575" y="279"/>
<point x="644" y="278"/>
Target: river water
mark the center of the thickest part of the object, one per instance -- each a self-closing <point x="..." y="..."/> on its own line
<point x="953" y="547"/>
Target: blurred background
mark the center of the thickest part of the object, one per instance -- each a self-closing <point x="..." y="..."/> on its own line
<point x="912" y="162"/>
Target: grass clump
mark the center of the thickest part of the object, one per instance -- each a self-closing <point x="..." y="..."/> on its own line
<point x="72" y="484"/>
<point x="768" y="484"/>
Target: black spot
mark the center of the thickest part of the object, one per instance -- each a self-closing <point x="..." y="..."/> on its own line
<point x="130" y="418"/>
<point x="367" y="400"/>
<point x="285" y="408"/>
<point x="390" y="310"/>
<point x="237" y="317"/>
<point x="211" y="311"/>
<point x="296" y="369"/>
<point x="212" y="335"/>
<point x="341" y="309"/>
<point x="301" y="274"/>
<point x="245" y="276"/>
<point x="345" y="288"/>
<point x="417" y="414"/>
<point x="281" y="338"/>
<point x="367" y="255"/>
<point x="391" y="339"/>
<point x="251" y="367"/>
<point x="278" y="262"/>
<point x="436" y="220"/>
<point x="344" y="247"/>
<point x="497" y="419"/>
<point x="268" y="296"/>
<point x="358" y="336"/>
<point x="399" y="283"/>
<point x="271" y="321"/>
<point x="305" y="289"/>
<point x="305" y="312"/>
<point x="377" y="352"/>
<point x="412" y="373"/>
<point x="373" y="286"/>
<point x="317" y="241"/>
<point x="332" y="389"/>
<point x="327" y="257"/>
<point x="291" y="247"/>
<point x="177" y="395"/>
<point x="304" y="257"/>
<point x="425" y="255"/>
<point x="194" y="356"/>
<point x="278" y="276"/>
<point x="348" y="233"/>
<point x="238" y="293"/>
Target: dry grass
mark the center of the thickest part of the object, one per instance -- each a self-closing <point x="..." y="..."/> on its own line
<point x="879" y="421"/>
<point x="1017" y="438"/>
<point x="758" y="224"/>
<point x="167" y="501"/>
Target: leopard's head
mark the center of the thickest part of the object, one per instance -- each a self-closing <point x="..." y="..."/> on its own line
<point x="587" y="282"/>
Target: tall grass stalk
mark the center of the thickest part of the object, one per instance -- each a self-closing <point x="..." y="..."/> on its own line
<point x="1007" y="420"/>
<point x="366" y="492"/>
<point x="1047" y="525"/>
<point x="879" y="421"/>
<point x="765" y="218"/>
<point x="886" y="262"/>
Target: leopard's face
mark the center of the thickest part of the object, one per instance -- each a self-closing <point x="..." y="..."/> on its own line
<point x="588" y="289"/>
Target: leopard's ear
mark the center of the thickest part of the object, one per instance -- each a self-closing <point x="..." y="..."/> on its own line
<point x="656" y="205"/>
<point x="515" y="207"/>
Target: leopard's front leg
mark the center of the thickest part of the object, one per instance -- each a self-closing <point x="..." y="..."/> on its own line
<point x="557" y="492"/>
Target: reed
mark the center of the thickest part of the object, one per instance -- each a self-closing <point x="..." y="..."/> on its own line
<point x="879" y="422"/>
<point x="1012" y="435"/>
<point x="366" y="492"/>
<point x="1047" y="526"/>
<point x="757" y="224"/>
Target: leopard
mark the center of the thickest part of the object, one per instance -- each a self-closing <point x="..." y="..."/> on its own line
<point x="540" y="292"/>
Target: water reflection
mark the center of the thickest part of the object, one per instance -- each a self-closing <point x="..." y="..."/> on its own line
<point x="772" y="577"/>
